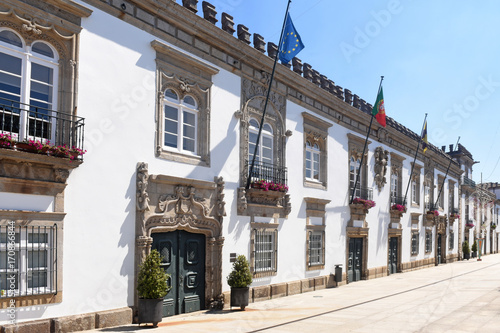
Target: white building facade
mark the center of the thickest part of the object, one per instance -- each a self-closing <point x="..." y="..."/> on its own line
<point x="168" y="103"/>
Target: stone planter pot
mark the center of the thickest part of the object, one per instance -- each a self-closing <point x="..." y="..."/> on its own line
<point x="150" y="311"/>
<point x="239" y="297"/>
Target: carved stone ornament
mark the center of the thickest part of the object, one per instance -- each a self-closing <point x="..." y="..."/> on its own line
<point x="381" y="159"/>
<point x="142" y="185"/>
<point x="166" y="204"/>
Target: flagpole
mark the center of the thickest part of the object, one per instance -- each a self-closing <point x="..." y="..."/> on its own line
<point x="249" y="178"/>
<point x="414" y="159"/>
<point x="442" y="185"/>
<point x="364" y="148"/>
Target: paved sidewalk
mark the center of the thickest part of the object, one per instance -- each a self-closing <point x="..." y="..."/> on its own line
<point x="458" y="297"/>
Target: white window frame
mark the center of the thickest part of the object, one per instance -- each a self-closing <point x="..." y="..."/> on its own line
<point x="394" y="185"/>
<point x="354" y="164"/>
<point x="28" y="57"/>
<point x="313" y="151"/>
<point x="182" y="108"/>
<point x="267" y="132"/>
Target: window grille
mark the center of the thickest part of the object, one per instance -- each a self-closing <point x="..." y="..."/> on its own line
<point x="316" y="248"/>
<point x="265" y="251"/>
<point x="28" y="260"/>
<point x="414" y="243"/>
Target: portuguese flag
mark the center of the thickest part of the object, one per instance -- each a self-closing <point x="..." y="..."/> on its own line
<point x="379" y="109"/>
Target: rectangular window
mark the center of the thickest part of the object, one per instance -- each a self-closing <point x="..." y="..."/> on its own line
<point x="265" y="250"/>
<point x="428" y="242"/>
<point x="414" y="243"/>
<point x="316" y="248"/>
<point x="28" y="262"/>
<point x="451" y="237"/>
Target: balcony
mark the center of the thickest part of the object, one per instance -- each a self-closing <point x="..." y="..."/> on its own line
<point x="398" y="200"/>
<point x="267" y="194"/>
<point x="468" y="182"/>
<point x="23" y="122"/>
<point x="429" y="206"/>
<point x="270" y="173"/>
<point x="365" y="193"/>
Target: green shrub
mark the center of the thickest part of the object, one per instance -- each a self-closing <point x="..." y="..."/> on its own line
<point x="465" y="247"/>
<point x="240" y="276"/>
<point x="152" y="279"/>
<point x="474" y="247"/>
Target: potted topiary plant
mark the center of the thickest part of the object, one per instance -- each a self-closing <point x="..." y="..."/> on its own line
<point x="474" y="249"/>
<point x="152" y="287"/>
<point x="466" y="250"/>
<point x="239" y="280"/>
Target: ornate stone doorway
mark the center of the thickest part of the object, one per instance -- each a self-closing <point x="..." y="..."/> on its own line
<point x="167" y="204"/>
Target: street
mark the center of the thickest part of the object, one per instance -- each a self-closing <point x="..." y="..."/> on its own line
<point x="456" y="297"/>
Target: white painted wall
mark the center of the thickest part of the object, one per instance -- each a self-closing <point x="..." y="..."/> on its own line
<point x="117" y="97"/>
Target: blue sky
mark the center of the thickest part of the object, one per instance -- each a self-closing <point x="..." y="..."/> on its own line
<point x="437" y="57"/>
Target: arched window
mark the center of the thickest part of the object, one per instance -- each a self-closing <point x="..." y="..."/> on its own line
<point x="181" y="121"/>
<point x="312" y="161"/>
<point x="265" y="149"/>
<point x="28" y="87"/>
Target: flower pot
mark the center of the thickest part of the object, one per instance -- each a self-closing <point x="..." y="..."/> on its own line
<point x="150" y="311"/>
<point x="22" y="146"/>
<point x="466" y="256"/>
<point x="239" y="297"/>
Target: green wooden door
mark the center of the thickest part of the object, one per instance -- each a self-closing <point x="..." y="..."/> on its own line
<point x="393" y="255"/>
<point x="184" y="259"/>
<point x="355" y="259"/>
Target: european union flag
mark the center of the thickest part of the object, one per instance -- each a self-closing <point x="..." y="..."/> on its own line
<point x="292" y="44"/>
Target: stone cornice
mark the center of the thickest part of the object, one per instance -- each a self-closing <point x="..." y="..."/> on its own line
<point x="182" y="28"/>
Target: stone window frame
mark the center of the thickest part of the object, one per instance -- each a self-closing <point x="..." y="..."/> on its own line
<point x="397" y="169"/>
<point x="55" y="189"/>
<point x="185" y="75"/>
<point x="315" y="207"/>
<point x="428" y="241"/>
<point x="355" y="146"/>
<point x="415" y="180"/>
<point x="59" y="28"/>
<point x="263" y="227"/>
<point x="316" y="132"/>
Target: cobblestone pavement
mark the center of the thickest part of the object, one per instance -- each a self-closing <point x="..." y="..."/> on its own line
<point x="457" y="297"/>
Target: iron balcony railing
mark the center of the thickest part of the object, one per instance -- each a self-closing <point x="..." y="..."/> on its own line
<point x="365" y="193"/>
<point x="398" y="200"/>
<point x="469" y="182"/>
<point x="267" y="172"/>
<point x="429" y="206"/>
<point x="24" y="121"/>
